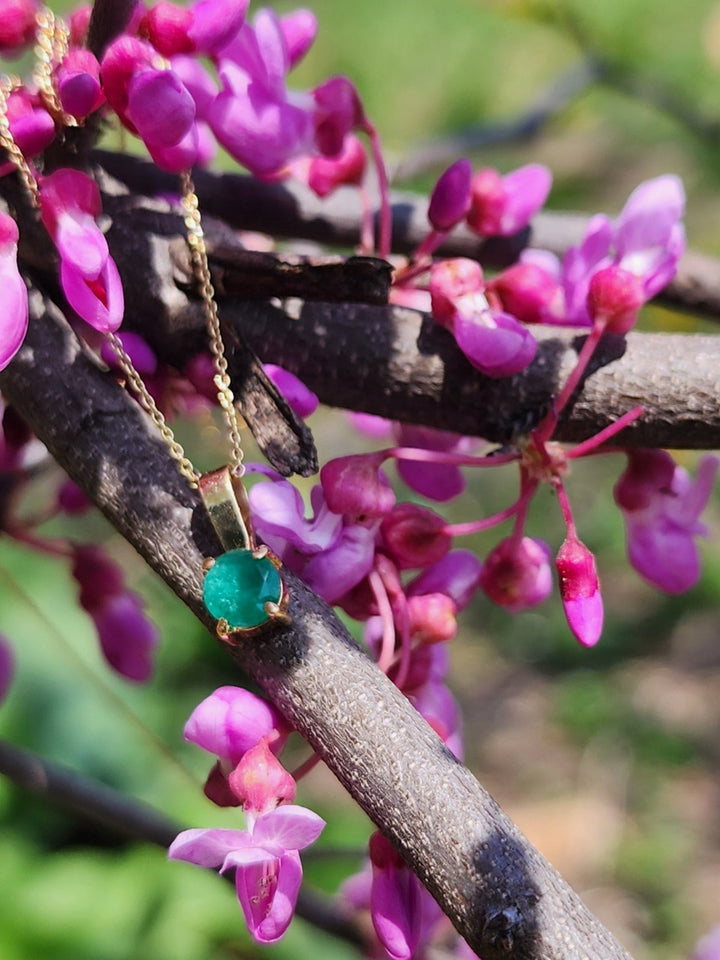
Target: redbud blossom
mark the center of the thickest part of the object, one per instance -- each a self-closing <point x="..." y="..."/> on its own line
<point x="432" y="618"/>
<point x="495" y="343"/>
<point x="457" y="575"/>
<point x="268" y="872"/>
<point x="260" y="782"/>
<point x="17" y="25"/>
<point x="395" y="900"/>
<point x="355" y="485"/>
<point x="614" y="299"/>
<point x="580" y="590"/>
<point x="31" y="125"/>
<point x="325" y="174"/>
<point x="14" y="319"/>
<point x="414" y="536"/>
<point x="78" y="83"/>
<point x="450" y="199"/>
<point x="127" y="638"/>
<point x="661" y="506"/>
<point x="502" y="205"/>
<point x="338" y="111"/>
<point x="529" y="293"/>
<point x="450" y="280"/>
<point x="516" y="573"/>
<point x="299" y="29"/>
<point x="303" y="401"/>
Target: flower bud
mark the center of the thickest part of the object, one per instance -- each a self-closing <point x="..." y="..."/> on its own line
<point x="260" y="781"/>
<point x="355" y="486"/>
<point x="324" y="174"/>
<point x="232" y="721"/>
<point x="450" y="280"/>
<point x="580" y="591"/>
<point x="529" y="293"/>
<point x="432" y="618"/>
<point x="614" y="298"/>
<point x="450" y="199"/>
<point x="516" y="574"/>
<point x="17" y="25"/>
<point x="414" y="536"/>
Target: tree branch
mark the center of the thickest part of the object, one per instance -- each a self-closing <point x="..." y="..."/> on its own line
<point x="503" y="897"/>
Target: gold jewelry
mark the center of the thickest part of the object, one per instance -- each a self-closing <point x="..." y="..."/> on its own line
<point x="243" y="588"/>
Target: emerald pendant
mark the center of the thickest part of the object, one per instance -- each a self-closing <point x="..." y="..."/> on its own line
<point x="237" y="587"/>
<point x="243" y="588"/>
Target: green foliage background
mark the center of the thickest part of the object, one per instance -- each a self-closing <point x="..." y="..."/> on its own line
<point x="602" y="735"/>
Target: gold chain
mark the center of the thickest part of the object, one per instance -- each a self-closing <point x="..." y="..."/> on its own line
<point x="198" y="252"/>
<point x="50" y="48"/>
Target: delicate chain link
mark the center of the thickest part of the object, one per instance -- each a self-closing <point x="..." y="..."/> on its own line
<point x="7" y="141"/>
<point x="51" y="47"/>
<point x="198" y="252"/>
<point x="146" y="401"/>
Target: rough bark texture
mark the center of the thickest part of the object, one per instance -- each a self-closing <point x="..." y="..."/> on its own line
<point x="498" y="890"/>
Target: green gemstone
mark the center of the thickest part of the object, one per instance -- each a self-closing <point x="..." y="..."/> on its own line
<point x="237" y="587"/>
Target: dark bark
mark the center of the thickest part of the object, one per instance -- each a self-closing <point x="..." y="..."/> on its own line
<point x="497" y="889"/>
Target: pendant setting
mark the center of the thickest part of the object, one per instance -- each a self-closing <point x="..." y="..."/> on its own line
<point x="243" y="588"/>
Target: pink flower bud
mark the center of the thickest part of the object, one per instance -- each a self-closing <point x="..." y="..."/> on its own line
<point x="232" y="721"/>
<point x="166" y="27"/>
<point x="450" y="280"/>
<point x="414" y="536"/>
<point x="31" y="125"/>
<point x="78" y="83"/>
<point x="614" y="298"/>
<point x="299" y="28"/>
<point x="14" y="318"/>
<point x="487" y="202"/>
<point x="516" y="574"/>
<point x="355" y="486"/>
<point x="324" y="174"/>
<point x="432" y="618"/>
<point x="338" y="110"/>
<point x="72" y="500"/>
<point x="529" y="293"/>
<point x="495" y="343"/>
<point x="260" y="781"/>
<point x="450" y="199"/>
<point x="79" y="22"/>
<point x="303" y="401"/>
<point x="648" y="473"/>
<point x="395" y="900"/>
<point x="17" y="25"/>
<point x="580" y="591"/>
<point x="504" y="205"/>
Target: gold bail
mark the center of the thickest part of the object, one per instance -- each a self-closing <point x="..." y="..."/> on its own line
<point x="227" y="504"/>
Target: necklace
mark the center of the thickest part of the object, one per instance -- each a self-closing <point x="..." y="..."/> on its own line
<point x="243" y="589"/>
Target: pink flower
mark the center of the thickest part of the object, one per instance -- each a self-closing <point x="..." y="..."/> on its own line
<point x="494" y="342"/>
<point x="614" y="299"/>
<point x="449" y="281"/>
<point x="303" y="401"/>
<point x="528" y="292"/>
<point x="260" y="782"/>
<point x="414" y="536"/>
<point x="662" y="506"/>
<point x="325" y="174"/>
<point x="330" y="552"/>
<point x="78" y="83"/>
<point x="503" y="205"/>
<point x="14" y="321"/>
<point x="355" y="485"/>
<point x="232" y="721"/>
<point x="205" y="27"/>
<point x="268" y="872"/>
<point x="69" y="204"/>
<point x="299" y="29"/>
<point x="580" y="590"/>
<point x="450" y="199"/>
<point x="435" y="480"/>
<point x="31" y="125"/>
<point x="457" y="575"/>
<point x="17" y="25"/>
<point x="516" y="574"/>
<point x="127" y="638"/>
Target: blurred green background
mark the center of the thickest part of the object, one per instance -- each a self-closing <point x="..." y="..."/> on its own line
<point x="609" y="759"/>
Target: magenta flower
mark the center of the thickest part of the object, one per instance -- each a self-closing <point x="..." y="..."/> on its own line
<point x="614" y="299"/>
<point x="7" y="667"/>
<point x="355" y="486"/>
<point x="325" y="174"/>
<point x="661" y="506"/>
<point x="414" y="536"/>
<point x="516" y="574"/>
<point x="205" y="27"/>
<point x="14" y="322"/>
<point x="449" y="281"/>
<point x="253" y="116"/>
<point x="78" y="83"/>
<point x="450" y="199"/>
<point x="529" y="292"/>
<point x="268" y="872"/>
<point x="330" y="552"/>
<point x="31" y="125"/>
<point x="17" y="25"/>
<point x="260" y="782"/>
<point x="127" y="638"/>
<point x="232" y="721"/>
<point x="299" y="29"/>
<point x="457" y="575"/>
<point x="494" y="342"/>
<point x="302" y="400"/>
<point x="580" y="590"/>
<point x="69" y="204"/>
<point x="435" y="480"/>
<point x="502" y="205"/>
